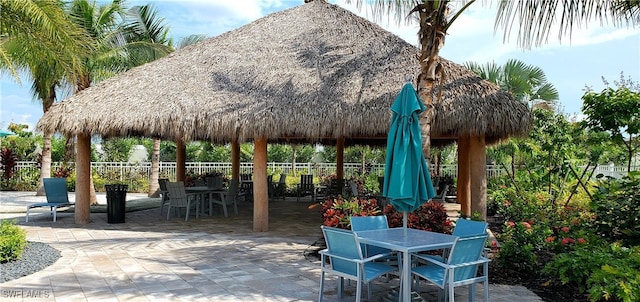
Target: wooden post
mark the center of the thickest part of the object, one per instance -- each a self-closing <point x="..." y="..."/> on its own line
<point x="83" y="176"/>
<point x="181" y="159"/>
<point x="464" y="180"/>
<point x="478" y="160"/>
<point x="235" y="160"/>
<point x="340" y="158"/>
<point x="260" y="192"/>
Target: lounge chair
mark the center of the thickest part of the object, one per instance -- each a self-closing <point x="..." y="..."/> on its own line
<point x="57" y="196"/>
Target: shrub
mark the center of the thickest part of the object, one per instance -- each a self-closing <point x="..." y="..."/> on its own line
<point x="8" y="163"/>
<point x="12" y="241"/>
<point x="336" y="211"/>
<point x="430" y="216"/>
<point x="615" y="205"/>
<point x="608" y="272"/>
<point x="519" y="243"/>
<point x="522" y="206"/>
<point x="619" y="279"/>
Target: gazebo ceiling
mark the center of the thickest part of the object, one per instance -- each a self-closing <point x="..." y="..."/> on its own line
<point x="312" y="73"/>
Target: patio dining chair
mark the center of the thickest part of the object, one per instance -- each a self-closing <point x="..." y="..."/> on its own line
<point x="366" y="223"/>
<point x="306" y="187"/>
<point x="343" y="257"/>
<point x="464" y="228"/>
<point x="227" y="197"/>
<point x="56" y="191"/>
<point x="215" y="182"/>
<point x="279" y="188"/>
<point x="460" y="268"/>
<point x="442" y="196"/>
<point x="178" y="198"/>
<point x="162" y="183"/>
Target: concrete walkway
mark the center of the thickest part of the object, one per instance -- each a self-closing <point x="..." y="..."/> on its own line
<point x="209" y="259"/>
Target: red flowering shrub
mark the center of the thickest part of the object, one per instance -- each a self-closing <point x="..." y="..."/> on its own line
<point x="336" y="211"/>
<point x="431" y="216"/>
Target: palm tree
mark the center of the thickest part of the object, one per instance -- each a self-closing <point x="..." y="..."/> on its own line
<point x="525" y="82"/>
<point x="155" y="153"/>
<point x="40" y="39"/>
<point x="435" y="18"/>
<point x="534" y="18"/>
<point x="125" y="39"/>
<point x="41" y="27"/>
<point x="148" y="39"/>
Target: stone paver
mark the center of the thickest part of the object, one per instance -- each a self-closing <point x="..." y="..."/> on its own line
<point x="209" y="259"/>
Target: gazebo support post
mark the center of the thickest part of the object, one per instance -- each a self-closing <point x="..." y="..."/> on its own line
<point x="83" y="175"/>
<point x="478" y="159"/>
<point x="181" y="159"/>
<point x="235" y="160"/>
<point x="260" y="193"/>
<point x="463" y="194"/>
<point x="340" y="159"/>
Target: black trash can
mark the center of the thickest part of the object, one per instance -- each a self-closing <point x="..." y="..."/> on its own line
<point x="116" y="202"/>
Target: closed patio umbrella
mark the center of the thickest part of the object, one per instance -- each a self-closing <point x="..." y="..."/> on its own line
<point x="407" y="181"/>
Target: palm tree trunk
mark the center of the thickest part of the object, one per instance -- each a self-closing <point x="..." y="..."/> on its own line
<point x="293" y="160"/>
<point x="45" y="156"/>
<point x="155" y="169"/>
<point x="45" y="162"/>
<point x="433" y="23"/>
<point x="83" y="83"/>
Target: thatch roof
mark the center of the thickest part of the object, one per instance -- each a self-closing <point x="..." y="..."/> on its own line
<point x="311" y="73"/>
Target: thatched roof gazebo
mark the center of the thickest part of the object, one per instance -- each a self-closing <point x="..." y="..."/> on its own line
<point x="312" y="73"/>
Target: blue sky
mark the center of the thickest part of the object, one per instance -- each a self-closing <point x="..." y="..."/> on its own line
<point x="582" y="60"/>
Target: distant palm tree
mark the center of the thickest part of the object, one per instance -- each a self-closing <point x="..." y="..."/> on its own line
<point x="525" y="82"/>
<point x="148" y="39"/>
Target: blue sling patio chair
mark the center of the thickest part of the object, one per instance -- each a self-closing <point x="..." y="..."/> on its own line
<point x="463" y="228"/>
<point x="343" y="257"/>
<point x="366" y="223"/>
<point x="57" y="196"/>
<point x="459" y="268"/>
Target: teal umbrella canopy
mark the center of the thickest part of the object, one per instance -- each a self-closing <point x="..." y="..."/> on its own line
<point x="407" y="181"/>
<point x="4" y="133"/>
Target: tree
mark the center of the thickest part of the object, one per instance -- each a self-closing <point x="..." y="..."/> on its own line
<point x="279" y="153"/>
<point x="534" y="19"/>
<point x="48" y="47"/>
<point x="125" y="40"/>
<point x="525" y="82"/>
<point x="42" y="27"/>
<point x="616" y="111"/>
<point x="434" y="18"/>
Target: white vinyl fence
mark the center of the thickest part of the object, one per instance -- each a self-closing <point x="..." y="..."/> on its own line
<point x="123" y="171"/>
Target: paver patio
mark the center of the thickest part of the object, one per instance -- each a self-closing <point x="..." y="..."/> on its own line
<point x="209" y="259"/>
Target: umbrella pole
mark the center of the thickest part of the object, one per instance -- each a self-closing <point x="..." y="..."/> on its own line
<point x="404" y="219"/>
